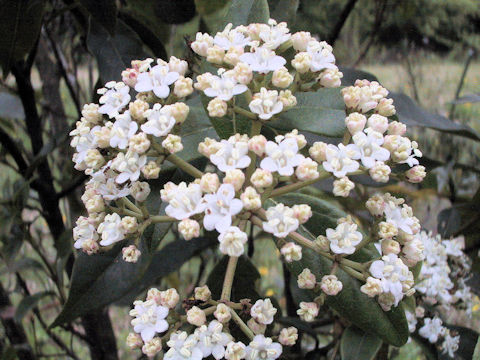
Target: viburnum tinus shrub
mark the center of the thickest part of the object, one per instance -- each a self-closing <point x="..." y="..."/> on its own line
<point x="257" y="74"/>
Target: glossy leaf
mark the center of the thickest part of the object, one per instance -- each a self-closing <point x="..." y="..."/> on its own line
<point x="175" y="12"/>
<point x="244" y="12"/>
<point x="321" y="113"/>
<point x="206" y="7"/>
<point x="28" y="303"/>
<point x="358" y="345"/>
<point x="20" y="24"/>
<point x="410" y="113"/>
<point x="104" y="12"/>
<point x="284" y="10"/>
<point x="114" y="53"/>
<point x="350" y="303"/>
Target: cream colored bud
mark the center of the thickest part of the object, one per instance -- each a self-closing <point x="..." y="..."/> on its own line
<point x="169" y="298"/>
<point x="178" y="65"/>
<point x="287" y="98"/>
<point x="291" y="252"/>
<point x="396" y="128"/>
<point x="256" y="327"/>
<point x="300" y="40"/>
<point x="90" y="246"/>
<point x="215" y="54"/>
<point x="257" y="144"/>
<point x="323" y="243"/>
<point x="308" y="311"/>
<point x="202" y="43"/>
<point x="372" y="287"/>
<point x="288" y="336"/>
<point x="103" y="136"/>
<point x="196" y="316"/>
<point x="189" y="229"/>
<point x="140" y="190"/>
<point x="209" y="182"/>
<point x="235" y="177"/>
<point x="137" y="110"/>
<point x="129" y="224"/>
<point x="203" y="293"/>
<point x="331" y="78"/>
<point x="217" y="108"/>
<point x="307" y="170"/>
<point x="155" y="295"/>
<point x="343" y="186"/>
<point x="317" y="151"/>
<point x="94" y="159"/>
<point x="376" y="205"/>
<point x="232" y="56"/>
<point x="151" y="170"/>
<point x="380" y="172"/>
<point x="179" y="111"/>
<point x="330" y="285"/>
<point x="203" y="81"/>
<point x="390" y="246"/>
<point x="243" y="73"/>
<point x="173" y="143"/>
<point x="302" y="212"/>
<point x="222" y="313"/>
<point x="183" y="87"/>
<point x="300" y="138"/>
<point x="385" y="107"/>
<point x="139" y="143"/>
<point x="378" y="123"/>
<point x="95" y="204"/>
<point x="251" y="199"/>
<point x="282" y="78"/>
<point x="134" y="341"/>
<point x="416" y="174"/>
<point x="306" y="279"/>
<point x="387" y="230"/>
<point x="208" y="147"/>
<point x="152" y="347"/>
<point x="355" y="122"/>
<point x="131" y="254"/>
<point x="261" y="178"/>
<point x="302" y="62"/>
<point x="90" y="114"/>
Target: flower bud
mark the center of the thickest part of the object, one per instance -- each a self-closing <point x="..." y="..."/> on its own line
<point x="179" y="111"/>
<point x="151" y="170"/>
<point x="131" y="254"/>
<point x="203" y="293"/>
<point x="235" y="177"/>
<point x="189" y="229"/>
<point x="169" y="298"/>
<point x="140" y="190"/>
<point x="306" y="279"/>
<point x="331" y="78"/>
<point x="376" y="205"/>
<point x="129" y="77"/>
<point x="378" y="123"/>
<point x="261" y="178"/>
<point x="202" y="43"/>
<point x="323" y="243"/>
<point x="317" y="151"/>
<point x="203" y="81"/>
<point x="90" y="114"/>
<point x="178" y="65"/>
<point x="307" y="170"/>
<point x="416" y="174"/>
<point x="251" y="199"/>
<point x="291" y="252"/>
<point x="94" y="159"/>
<point x="215" y="54"/>
<point x="387" y="230"/>
<point x="209" y="183"/>
<point x="90" y="246"/>
<point x="302" y="212"/>
<point x="288" y="336"/>
<point x="355" y="122"/>
<point x="302" y="62"/>
<point x="129" y="224"/>
<point x="282" y="78"/>
<point x="257" y="144"/>
<point x="217" y="108"/>
<point x="287" y="98"/>
<point x="134" y="341"/>
<point x="308" y="311"/>
<point x="208" y="147"/>
<point x="222" y="313"/>
<point x="330" y="285"/>
<point x="300" y="40"/>
<point x="372" y="287"/>
<point x="385" y="107"/>
<point x="396" y="128"/>
<point x="343" y="186"/>
<point x="173" y="143"/>
<point x="256" y="327"/>
<point x="139" y="143"/>
<point x="183" y="87"/>
<point x="233" y="54"/>
<point x="243" y="73"/>
<point x="300" y="138"/>
<point x="152" y="347"/>
<point x="196" y="316"/>
<point x="380" y="172"/>
<point x="390" y="246"/>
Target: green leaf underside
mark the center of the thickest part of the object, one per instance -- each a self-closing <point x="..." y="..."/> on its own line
<point x="321" y="113"/>
<point x="351" y="303"/>
<point x="244" y="12"/>
<point x="358" y="345"/>
<point x="410" y="113"/>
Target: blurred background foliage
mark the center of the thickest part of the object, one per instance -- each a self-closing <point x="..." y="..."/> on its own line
<point x="54" y="54"/>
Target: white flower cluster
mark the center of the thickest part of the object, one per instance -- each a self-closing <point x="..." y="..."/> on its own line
<point x="154" y="319"/>
<point x="246" y="55"/>
<point x="120" y="143"/>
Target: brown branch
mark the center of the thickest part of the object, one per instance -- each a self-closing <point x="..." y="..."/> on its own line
<point x="342" y="19"/>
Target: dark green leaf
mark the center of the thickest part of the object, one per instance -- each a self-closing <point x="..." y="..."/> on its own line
<point x="244" y="12"/>
<point x="358" y="345"/>
<point x="298" y="323"/>
<point x="114" y="53"/>
<point x="476" y="353"/>
<point x="350" y="303"/>
<point x="175" y="12"/>
<point x="410" y="113"/>
<point x="104" y="12"/>
<point x="20" y="24"/>
<point x="10" y="106"/>
<point x="284" y="10"/>
<point x="321" y="113"/>
<point x="28" y="303"/>
<point x="25" y="263"/>
<point x="206" y="7"/>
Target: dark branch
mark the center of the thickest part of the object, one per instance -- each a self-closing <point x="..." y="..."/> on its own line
<point x="342" y="19"/>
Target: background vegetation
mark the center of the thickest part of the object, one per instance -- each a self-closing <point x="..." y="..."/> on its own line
<point x="54" y="54"/>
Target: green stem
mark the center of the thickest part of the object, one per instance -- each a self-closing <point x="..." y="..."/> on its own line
<point x="246" y="330"/>
<point x="298" y="185"/>
<point x="353" y="273"/>
<point x="244" y="112"/>
<point x="353" y="264"/>
<point x="229" y="275"/>
<point x="131" y="205"/>
<point x="161" y="219"/>
<point x="255" y="130"/>
<point x="185" y="166"/>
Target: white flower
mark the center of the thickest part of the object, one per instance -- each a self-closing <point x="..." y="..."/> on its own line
<point x="344" y="238"/>
<point x="232" y="241"/>
<point x="111" y="229"/>
<point x="157" y="80"/>
<point x="263" y="60"/>
<point x="400" y="217"/>
<point x="263" y="311"/>
<point x="450" y="344"/>
<point x="453" y="247"/>
<point x="266" y="103"/>
<point x="369" y="146"/>
<point x="321" y="56"/>
<point x="224" y="86"/>
<point x="128" y="165"/>
<point x="412" y="321"/>
<point x="84" y="231"/>
<point x="115" y="96"/>
<point x="330" y="285"/>
<point x="288" y="336"/>
<point x="122" y="130"/>
<point x="202" y="43"/>
<point x="229" y="38"/>
<point x="211" y="340"/>
<point x="196" y="316"/>
<point x="432" y="329"/>
<point x="185" y="201"/>
<point x="263" y="348"/>
<point x="308" y="311"/>
<point x="149" y="319"/>
<point x="306" y="279"/>
<point x="275" y="35"/>
<point x="220" y="208"/>
<point x="235" y="351"/>
<point x="291" y="252"/>
<point x="232" y="154"/>
<point x="282" y="157"/>
<point x="281" y="221"/>
<point x="108" y="188"/>
<point x="340" y="160"/>
<point x="159" y="121"/>
<point x="183" y="347"/>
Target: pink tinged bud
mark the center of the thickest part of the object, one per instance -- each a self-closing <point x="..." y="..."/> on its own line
<point x="288" y="336"/>
<point x="416" y="174"/>
<point x="396" y="128"/>
<point x="196" y="316"/>
<point x="257" y="144"/>
<point x="355" y="122"/>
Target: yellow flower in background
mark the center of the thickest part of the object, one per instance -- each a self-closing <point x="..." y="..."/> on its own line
<point x="263" y="270"/>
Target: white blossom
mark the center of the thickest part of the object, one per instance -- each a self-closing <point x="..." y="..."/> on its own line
<point x="263" y="311"/>
<point x="281" y="221"/>
<point x="224" y="87"/>
<point x="266" y="104"/>
<point x="263" y="348"/>
<point x="229" y="38"/>
<point x="185" y="201"/>
<point x="211" y="340"/>
<point x="282" y="157"/>
<point x="344" y="238"/>
<point x="128" y="166"/>
<point x="158" y="80"/>
<point x="111" y="230"/>
<point x="115" y="96"/>
<point x="321" y="56"/>
<point x="369" y="145"/>
<point x="220" y="208"/>
<point x="231" y="154"/>
<point x="122" y="130"/>
<point x="159" y="121"/>
<point x="340" y="160"/>
<point x="263" y="60"/>
<point x="232" y="241"/>
<point x="84" y="231"/>
<point x="432" y="329"/>
<point x="183" y="347"/>
<point x="149" y="319"/>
